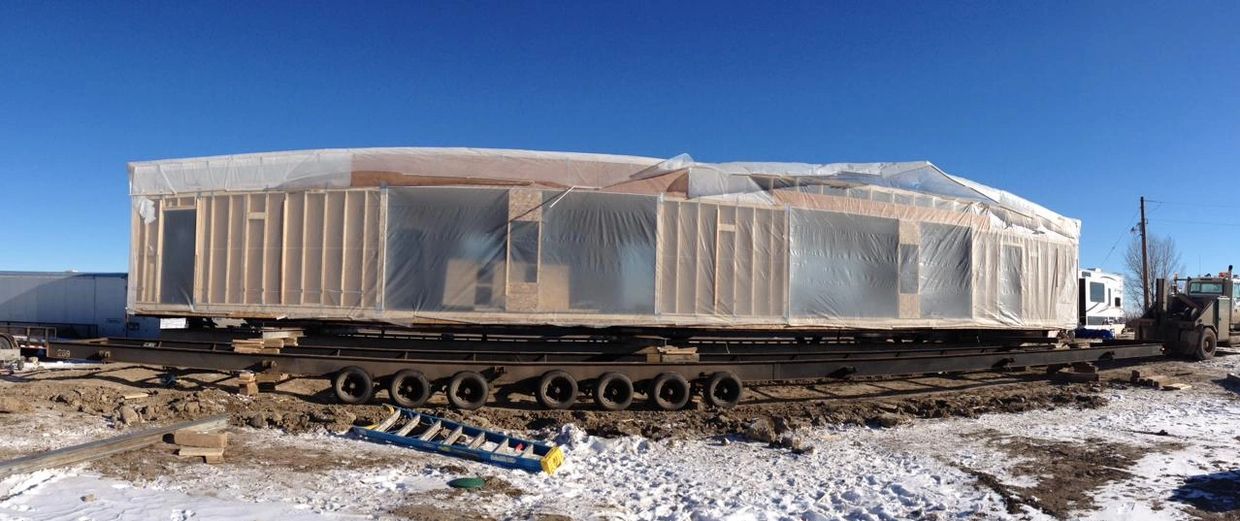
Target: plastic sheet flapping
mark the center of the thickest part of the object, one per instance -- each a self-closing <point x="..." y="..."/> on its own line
<point x="503" y="236"/>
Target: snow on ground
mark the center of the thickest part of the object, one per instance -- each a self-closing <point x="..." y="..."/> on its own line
<point x="53" y="495"/>
<point x="858" y="473"/>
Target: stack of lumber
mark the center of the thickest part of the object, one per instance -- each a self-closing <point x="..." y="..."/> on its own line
<point x="247" y="383"/>
<point x="272" y="341"/>
<point x="197" y="443"/>
<point x="94" y="450"/>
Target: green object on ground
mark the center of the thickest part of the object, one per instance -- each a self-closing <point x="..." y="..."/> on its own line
<point x="467" y="483"/>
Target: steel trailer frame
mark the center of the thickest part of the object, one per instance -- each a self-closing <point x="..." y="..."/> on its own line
<point x="525" y="362"/>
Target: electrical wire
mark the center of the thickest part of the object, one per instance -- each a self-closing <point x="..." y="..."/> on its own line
<point x="1202" y="205"/>
<point x="1117" y="239"/>
<point x="1206" y="223"/>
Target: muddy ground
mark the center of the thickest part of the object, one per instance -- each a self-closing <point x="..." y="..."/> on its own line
<point x="302" y="405"/>
<point x="128" y="396"/>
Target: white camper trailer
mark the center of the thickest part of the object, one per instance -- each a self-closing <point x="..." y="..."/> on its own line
<point x="1102" y="300"/>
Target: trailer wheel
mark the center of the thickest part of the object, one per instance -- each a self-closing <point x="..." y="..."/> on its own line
<point x="613" y="392"/>
<point x="723" y="390"/>
<point x="1206" y="344"/>
<point x="468" y="390"/>
<point x="409" y="388"/>
<point x="556" y="390"/>
<point x="669" y="391"/>
<point x="353" y="385"/>
<point x="7" y="342"/>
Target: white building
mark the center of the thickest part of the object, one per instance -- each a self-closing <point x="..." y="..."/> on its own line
<point x="76" y="304"/>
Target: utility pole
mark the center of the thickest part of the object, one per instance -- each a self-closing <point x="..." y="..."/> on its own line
<point x="1145" y="261"/>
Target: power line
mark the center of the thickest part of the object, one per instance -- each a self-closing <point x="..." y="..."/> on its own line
<point x="1207" y="223"/>
<point x="1117" y="239"/>
<point x="1202" y="205"/>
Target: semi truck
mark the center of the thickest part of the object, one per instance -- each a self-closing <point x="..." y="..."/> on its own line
<point x="1193" y="316"/>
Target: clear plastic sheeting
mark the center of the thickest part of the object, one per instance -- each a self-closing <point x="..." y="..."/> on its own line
<point x="477" y="236"/>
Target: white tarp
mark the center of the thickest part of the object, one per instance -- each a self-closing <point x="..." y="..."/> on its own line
<point x="410" y="235"/>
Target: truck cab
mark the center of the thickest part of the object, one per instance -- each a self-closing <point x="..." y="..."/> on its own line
<point x="1193" y="316"/>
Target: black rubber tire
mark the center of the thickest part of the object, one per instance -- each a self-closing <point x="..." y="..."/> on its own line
<point x="468" y="390"/>
<point x="723" y="390"/>
<point x="556" y="390"/>
<point x="409" y="388"/>
<point x="613" y="392"/>
<point x="353" y="385"/>
<point x="669" y="391"/>
<point x="7" y="342"/>
<point x="1207" y="344"/>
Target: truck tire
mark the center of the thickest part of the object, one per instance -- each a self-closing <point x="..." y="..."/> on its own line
<point x="723" y="390"/>
<point x="409" y="388"/>
<point x="613" y="392"/>
<point x="556" y="390"/>
<point x="468" y="390"/>
<point x="669" y="392"/>
<point x="353" y="385"/>
<point x="1207" y="343"/>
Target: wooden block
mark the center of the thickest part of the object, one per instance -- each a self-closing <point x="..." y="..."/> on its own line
<point x="191" y="452"/>
<point x="213" y="459"/>
<point x="283" y="334"/>
<point x="671" y="354"/>
<point x="1154" y="381"/>
<point x="255" y="349"/>
<point x="192" y="438"/>
<point x="1176" y="387"/>
<point x="248" y="389"/>
<point x="136" y="396"/>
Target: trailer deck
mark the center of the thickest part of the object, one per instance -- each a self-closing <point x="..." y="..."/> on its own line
<point x="413" y="368"/>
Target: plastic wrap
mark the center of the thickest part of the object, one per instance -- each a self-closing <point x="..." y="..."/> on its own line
<point x="476" y="236"/>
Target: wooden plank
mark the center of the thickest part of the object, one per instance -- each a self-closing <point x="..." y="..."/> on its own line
<point x="187" y="452"/>
<point x="94" y="450"/>
<point x="244" y="279"/>
<point x="200" y="438"/>
<point x="381" y="259"/>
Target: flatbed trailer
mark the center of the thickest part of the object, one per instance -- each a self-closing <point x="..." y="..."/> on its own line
<point x="611" y="370"/>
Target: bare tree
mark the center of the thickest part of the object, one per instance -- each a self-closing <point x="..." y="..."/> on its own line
<point x="1165" y="262"/>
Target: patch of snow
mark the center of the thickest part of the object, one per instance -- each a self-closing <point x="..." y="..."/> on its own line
<point x="55" y="495"/>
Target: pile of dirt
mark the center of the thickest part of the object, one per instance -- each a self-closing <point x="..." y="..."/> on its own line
<point x="131" y="407"/>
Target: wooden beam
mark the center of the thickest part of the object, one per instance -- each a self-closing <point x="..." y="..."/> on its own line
<point x="94" y="450"/>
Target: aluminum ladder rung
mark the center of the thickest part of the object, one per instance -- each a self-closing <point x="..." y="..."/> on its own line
<point x="453" y="437"/>
<point x="389" y="422"/>
<point x="432" y="431"/>
<point x="413" y="423"/>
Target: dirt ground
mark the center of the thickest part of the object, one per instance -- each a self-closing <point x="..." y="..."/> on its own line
<point x="126" y="396"/>
<point x="302" y="405"/>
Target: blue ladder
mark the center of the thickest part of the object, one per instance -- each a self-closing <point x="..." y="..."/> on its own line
<point x="408" y="428"/>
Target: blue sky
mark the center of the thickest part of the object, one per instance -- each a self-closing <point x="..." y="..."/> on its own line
<point x="1080" y="106"/>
